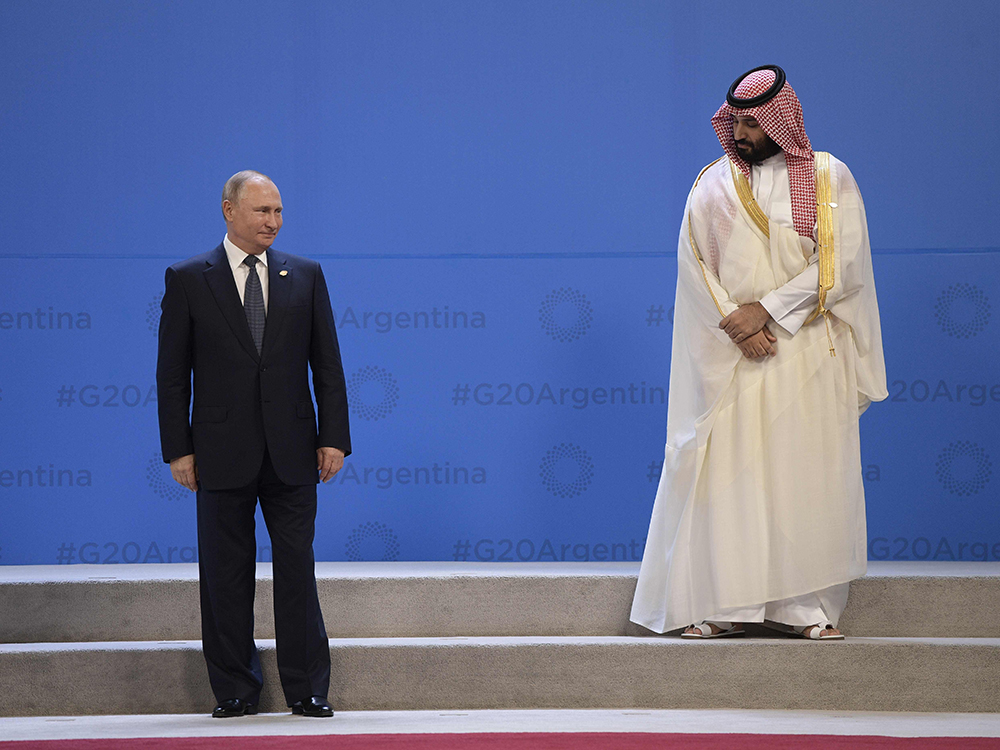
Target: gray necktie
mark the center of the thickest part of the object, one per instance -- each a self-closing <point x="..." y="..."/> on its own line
<point x="253" y="302"/>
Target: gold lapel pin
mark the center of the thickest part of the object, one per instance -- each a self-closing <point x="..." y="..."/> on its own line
<point x="282" y="273"/>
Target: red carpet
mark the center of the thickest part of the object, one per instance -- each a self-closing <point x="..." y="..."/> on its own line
<point x="519" y="741"/>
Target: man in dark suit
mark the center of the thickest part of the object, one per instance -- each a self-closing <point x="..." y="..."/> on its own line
<point x="249" y="322"/>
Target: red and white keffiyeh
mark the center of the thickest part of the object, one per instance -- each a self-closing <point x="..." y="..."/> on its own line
<point x="781" y="118"/>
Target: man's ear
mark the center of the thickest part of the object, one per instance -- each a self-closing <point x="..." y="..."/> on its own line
<point x="227" y="210"/>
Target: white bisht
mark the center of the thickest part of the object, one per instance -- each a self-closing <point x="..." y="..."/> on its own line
<point x="761" y="495"/>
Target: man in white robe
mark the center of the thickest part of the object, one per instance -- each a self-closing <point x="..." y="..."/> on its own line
<point x="777" y="351"/>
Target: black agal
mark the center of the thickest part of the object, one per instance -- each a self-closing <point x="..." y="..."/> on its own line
<point x="756" y="101"/>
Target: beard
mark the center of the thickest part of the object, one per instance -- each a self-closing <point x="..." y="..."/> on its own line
<point x="755" y="153"/>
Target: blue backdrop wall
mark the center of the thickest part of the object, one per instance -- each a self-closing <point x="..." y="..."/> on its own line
<point x="494" y="190"/>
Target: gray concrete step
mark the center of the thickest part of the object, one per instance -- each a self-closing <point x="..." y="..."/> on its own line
<point x="82" y="603"/>
<point x="883" y="674"/>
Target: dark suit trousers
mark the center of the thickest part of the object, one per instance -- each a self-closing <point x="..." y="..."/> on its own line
<point x="227" y="552"/>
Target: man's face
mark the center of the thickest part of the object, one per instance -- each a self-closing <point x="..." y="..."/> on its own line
<point x="752" y="143"/>
<point x="254" y="220"/>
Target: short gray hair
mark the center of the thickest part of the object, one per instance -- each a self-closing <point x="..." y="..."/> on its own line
<point x="233" y="189"/>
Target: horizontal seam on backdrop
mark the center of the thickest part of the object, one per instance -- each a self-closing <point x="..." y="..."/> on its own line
<point x="472" y="256"/>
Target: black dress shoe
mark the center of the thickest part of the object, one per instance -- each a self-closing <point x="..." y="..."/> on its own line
<point x="234" y="707"/>
<point x="314" y="706"/>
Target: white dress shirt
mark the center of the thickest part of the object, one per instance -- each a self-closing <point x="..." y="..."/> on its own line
<point x="791" y="304"/>
<point x="241" y="271"/>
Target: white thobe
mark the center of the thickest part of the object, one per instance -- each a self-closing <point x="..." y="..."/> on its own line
<point x="789" y="306"/>
<point x="760" y="508"/>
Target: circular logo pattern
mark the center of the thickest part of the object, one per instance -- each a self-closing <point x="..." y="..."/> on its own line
<point x="360" y="397"/>
<point x="567" y="470"/>
<point x="372" y="541"/>
<point x="963" y="468"/>
<point x="963" y="310"/>
<point x="153" y="313"/>
<point x="581" y="314"/>
<point x="160" y="480"/>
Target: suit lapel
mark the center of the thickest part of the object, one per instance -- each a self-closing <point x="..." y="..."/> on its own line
<point x="279" y="286"/>
<point x="219" y="277"/>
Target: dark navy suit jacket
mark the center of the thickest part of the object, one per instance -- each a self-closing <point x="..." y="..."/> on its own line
<point x="243" y="401"/>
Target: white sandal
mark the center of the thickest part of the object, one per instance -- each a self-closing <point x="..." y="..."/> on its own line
<point x="704" y="630"/>
<point x="812" y="632"/>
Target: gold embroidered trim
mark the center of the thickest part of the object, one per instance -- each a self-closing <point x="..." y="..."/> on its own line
<point x="694" y="245"/>
<point x="824" y="237"/>
<point x="824" y="219"/>
<point x="749" y="202"/>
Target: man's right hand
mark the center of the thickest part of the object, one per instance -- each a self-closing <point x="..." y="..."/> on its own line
<point x="185" y="471"/>
<point x="760" y="344"/>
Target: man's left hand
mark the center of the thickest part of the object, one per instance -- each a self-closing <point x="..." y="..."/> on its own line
<point x="328" y="462"/>
<point x="745" y="321"/>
